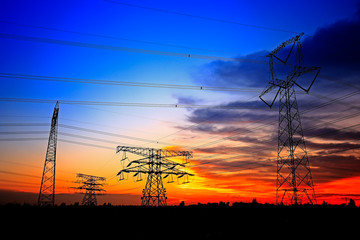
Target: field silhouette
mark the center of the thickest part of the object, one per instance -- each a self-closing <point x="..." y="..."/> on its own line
<point x="202" y="221"/>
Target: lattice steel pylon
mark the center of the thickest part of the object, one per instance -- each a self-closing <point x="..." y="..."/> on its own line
<point x="92" y="186"/>
<point x="47" y="187"/>
<point x="294" y="183"/>
<point x="155" y="164"/>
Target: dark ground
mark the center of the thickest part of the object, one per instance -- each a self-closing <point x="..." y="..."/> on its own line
<point x="211" y="221"/>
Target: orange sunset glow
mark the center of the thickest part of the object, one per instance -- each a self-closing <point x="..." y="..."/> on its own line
<point x="264" y="106"/>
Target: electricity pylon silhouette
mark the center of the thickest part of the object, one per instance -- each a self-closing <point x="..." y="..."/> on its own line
<point x="155" y="164"/>
<point x="92" y="185"/>
<point x="294" y="184"/>
<point x="47" y="187"/>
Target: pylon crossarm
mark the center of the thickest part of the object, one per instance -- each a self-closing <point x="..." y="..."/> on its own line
<point x="170" y="163"/>
<point x="287" y="58"/>
<point x="268" y="89"/>
<point x="84" y="187"/>
<point x="135" y="169"/>
<point x="90" y="177"/>
<point x="307" y="70"/>
<point x="147" y="152"/>
<point x="174" y="153"/>
<point x="139" y="161"/>
<point x="286" y="43"/>
<point x="179" y="173"/>
<point x="135" y="150"/>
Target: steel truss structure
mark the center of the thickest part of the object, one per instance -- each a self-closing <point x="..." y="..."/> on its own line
<point x="157" y="166"/>
<point x="92" y="186"/>
<point x="294" y="183"/>
<point x="47" y="187"/>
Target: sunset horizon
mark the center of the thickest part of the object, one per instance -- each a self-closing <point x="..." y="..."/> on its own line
<point x="183" y="77"/>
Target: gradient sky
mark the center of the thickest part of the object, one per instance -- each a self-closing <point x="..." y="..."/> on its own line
<point x="232" y="148"/>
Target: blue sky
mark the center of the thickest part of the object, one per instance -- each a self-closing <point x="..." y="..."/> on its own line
<point x="116" y="20"/>
<point x="325" y="24"/>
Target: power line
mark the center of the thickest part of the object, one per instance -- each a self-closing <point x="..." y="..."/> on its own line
<point x="86" y="144"/>
<point x="154" y="141"/>
<point x="23" y="132"/>
<point x="110" y="134"/>
<point x="125" y="104"/>
<point x="341" y="82"/>
<point x="99" y="146"/>
<point x="117" y="38"/>
<point x="22" y="139"/>
<point x="122" y="83"/>
<point x="23" y="124"/>
<point x="60" y="133"/>
<point x="104" y="147"/>
<point x="126" y="49"/>
<point x="201" y="17"/>
<point x="211" y="143"/>
<point x="60" y="140"/>
<point x="341" y="118"/>
<point x="317" y="95"/>
<point x="77" y="129"/>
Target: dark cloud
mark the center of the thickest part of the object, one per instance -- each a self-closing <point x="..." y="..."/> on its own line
<point x="187" y="100"/>
<point x="326" y="168"/>
<point x="221" y="131"/>
<point x="213" y="115"/>
<point x="328" y="133"/>
<point x="234" y="74"/>
<point x="335" y="48"/>
<point x="253" y="147"/>
<point x="343" y="146"/>
<point x="231" y="165"/>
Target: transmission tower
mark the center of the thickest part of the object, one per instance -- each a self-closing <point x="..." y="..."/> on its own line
<point x="47" y="187"/>
<point x="294" y="183"/>
<point x="155" y="164"/>
<point x="92" y="185"/>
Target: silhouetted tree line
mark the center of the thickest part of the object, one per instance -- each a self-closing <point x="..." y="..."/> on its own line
<point x="220" y="220"/>
<point x="350" y="203"/>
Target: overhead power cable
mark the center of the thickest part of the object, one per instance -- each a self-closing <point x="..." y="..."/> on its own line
<point x="122" y="83"/>
<point x="24" y="124"/>
<point x="85" y="144"/>
<point x="125" y="104"/>
<point x="201" y="17"/>
<point x="60" y="133"/>
<point x="22" y="139"/>
<point x="77" y="129"/>
<point x="117" y="38"/>
<point x="110" y="134"/>
<point x="126" y="49"/>
<point x="61" y="140"/>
